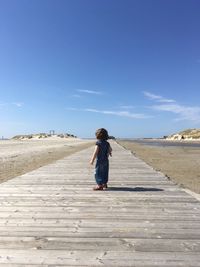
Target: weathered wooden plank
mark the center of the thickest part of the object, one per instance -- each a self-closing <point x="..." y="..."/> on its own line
<point x="116" y="209"/>
<point x="87" y="198"/>
<point x="99" y="223"/>
<point x="116" y="192"/>
<point x="68" y="181"/>
<point x="113" y="216"/>
<point x="114" y="244"/>
<point x="98" y="258"/>
<point x="106" y="233"/>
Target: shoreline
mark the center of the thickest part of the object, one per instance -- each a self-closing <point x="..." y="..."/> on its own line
<point x="160" y="140"/>
<point x="179" y="164"/>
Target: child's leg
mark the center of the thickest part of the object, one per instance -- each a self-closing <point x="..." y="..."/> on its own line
<point x="101" y="175"/>
<point x="98" y="174"/>
<point x="105" y="174"/>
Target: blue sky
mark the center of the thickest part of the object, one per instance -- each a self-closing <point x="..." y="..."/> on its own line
<point x="131" y="66"/>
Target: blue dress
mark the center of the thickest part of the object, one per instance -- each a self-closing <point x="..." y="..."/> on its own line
<point x="102" y="163"/>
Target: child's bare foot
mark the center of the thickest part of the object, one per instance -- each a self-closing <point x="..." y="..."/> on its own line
<point x="98" y="187"/>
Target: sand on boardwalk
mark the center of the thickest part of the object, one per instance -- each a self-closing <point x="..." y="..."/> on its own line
<point x="180" y="164"/>
<point x="20" y="156"/>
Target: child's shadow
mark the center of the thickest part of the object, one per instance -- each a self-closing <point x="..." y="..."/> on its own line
<point x="134" y="189"/>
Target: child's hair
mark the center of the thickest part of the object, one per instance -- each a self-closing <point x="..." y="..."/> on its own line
<point x="102" y="134"/>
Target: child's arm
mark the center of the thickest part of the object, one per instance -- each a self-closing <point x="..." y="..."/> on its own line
<point x="110" y="151"/>
<point x="96" y="150"/>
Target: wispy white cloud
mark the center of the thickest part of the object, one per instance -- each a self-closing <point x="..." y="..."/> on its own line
<point x="76" y="96"/>
<point x="72" y="109"/>
<point x="157" y="98"/>
<point x="184" y="112"/>
<point x="3" y="104"/>
<point x="127" y="107"/>
<point x="113" y="112"/>
<point x="17" y="104"/>
<point x="170" y="105"/>
<point x="89" y="92"/>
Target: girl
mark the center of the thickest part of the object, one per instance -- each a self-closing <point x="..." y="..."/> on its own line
<point x="101" y="153"/>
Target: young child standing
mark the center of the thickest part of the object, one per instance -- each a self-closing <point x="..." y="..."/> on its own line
<point x="101" y="153"/>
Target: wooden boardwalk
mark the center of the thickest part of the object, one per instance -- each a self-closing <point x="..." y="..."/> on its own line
<point x="51" y="217"/>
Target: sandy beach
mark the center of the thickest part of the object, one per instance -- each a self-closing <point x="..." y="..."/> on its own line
<point x="18" y="157"/>
<point x="180" y="164"/>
